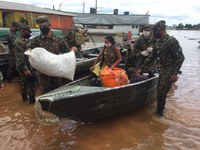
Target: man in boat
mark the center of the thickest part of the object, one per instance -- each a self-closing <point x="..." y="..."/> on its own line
<point x="70" y="39"/>
<point x="11" y="38"/>
<point x="143" y="48"/>
<point x="171" y="59"/>
<point x="53" y="44"/>
<point x="26" y="72"/>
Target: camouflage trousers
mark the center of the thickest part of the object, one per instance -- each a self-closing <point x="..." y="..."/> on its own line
<point x="48" y="83"/>
<point x="150" y="68"/>
<point x="163" y="88"/>
<point x="130" y="65"/>
<point x="27" y="85"/>
<point x="12" y="70"/>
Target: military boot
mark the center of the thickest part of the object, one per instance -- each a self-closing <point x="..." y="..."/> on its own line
<point x="160" y="112"/>
<point x="24" y="97"/>
<point x="32" y="99"/>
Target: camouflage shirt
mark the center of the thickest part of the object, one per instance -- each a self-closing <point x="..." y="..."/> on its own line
<point x="170" y="54"/>
<point x="72" y="43"/>
<point x="11" y="39"/>
<point x="21" y="45"/>
<point x="141" y="44"/>
<point x="53" y="44"/>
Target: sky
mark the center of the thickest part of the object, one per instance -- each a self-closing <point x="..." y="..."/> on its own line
<point x="172" y="11"/>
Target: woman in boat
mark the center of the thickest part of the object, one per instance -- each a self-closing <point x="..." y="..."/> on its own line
<point x="110" y="55"/>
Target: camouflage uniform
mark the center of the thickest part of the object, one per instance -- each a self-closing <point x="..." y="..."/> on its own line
<point x="130" y="60"/>
<point x="72" y="42"/>
<point x="141" y="45"/>
<point x="12" y="66"/>
<point x="27" y="84"/>
<point x="171" y="59"/>
<point x="54" y="45"/>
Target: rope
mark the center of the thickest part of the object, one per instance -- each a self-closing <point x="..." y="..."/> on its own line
<point x="39" y="113"/>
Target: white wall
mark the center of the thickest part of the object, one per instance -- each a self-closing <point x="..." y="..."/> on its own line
<point x="116" y="29"/>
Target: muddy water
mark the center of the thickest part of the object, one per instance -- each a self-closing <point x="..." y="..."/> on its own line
<point x="179" y="129"/>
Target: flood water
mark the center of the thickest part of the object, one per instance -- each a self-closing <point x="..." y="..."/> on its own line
<point x="179" y="129"/>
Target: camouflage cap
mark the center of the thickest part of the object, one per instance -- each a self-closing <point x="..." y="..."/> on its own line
<point x="159" y="25"/>
<point x="15" y="24"/>
<point x="43" y="21"/>
<point x="24" y="27"/>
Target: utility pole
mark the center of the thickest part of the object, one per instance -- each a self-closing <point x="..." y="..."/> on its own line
<point x="96" y="6"/>
<point x="83" y="7"/>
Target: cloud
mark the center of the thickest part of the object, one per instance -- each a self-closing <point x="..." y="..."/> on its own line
<point x="173" y="11"/>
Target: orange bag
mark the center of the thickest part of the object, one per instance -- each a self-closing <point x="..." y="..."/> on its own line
<point x="113" y="77"/>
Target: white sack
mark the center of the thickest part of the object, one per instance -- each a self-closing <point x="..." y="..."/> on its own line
<point x="62" y="65"/>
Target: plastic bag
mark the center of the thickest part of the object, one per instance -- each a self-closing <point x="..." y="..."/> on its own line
<point x="97" y="69"/>
<point x="113" y="77"/>
<point x="62" y="65"/>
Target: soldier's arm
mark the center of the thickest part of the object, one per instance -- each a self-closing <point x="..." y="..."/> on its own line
<point x="137" y="46"/>
<point x="33" y="43"/>
<point x="78" y="45"/>
<point x="10" y="40"/>
<point x="148" y="60"/>
<point x="177" y="55"/>
<point x="19" y="56"/>
<point x="63" y="46"/>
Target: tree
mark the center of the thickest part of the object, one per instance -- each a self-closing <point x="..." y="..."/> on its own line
<point x="180" y="26"/>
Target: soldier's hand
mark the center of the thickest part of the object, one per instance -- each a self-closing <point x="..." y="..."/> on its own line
<point x="149" y="49"/>
<point x="112" y="67"/>
<point x="27" y="73"/>
<point x="91" y="68"/>
<point x="174" y="78"/>
<point x="29" y="49"/>
<point x="74" y="49"/>
<point x="139" y="71"/>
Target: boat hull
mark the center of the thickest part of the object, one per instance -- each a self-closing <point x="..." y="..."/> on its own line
<point x="95" y="103"/>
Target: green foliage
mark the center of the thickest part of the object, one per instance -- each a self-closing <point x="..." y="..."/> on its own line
<point x="180" y="26"/>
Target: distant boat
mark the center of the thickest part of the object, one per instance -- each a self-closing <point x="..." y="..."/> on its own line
<point x="81" y="101"/>
<point x="192" y="38"/>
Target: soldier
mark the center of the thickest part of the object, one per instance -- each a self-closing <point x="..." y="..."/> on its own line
<point x="171" y="60"/>
<point x="142" y="49"/>
<point x="26" y="72"/>
<point x="70" y="39"/>
<point x="54" y="45"/>
<point x="11" y="38"/>
<point x="130" y="63"/>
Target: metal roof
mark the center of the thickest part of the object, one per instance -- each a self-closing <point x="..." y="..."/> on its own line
<point x="110" y="19"/>
<point x="30" y="8"/>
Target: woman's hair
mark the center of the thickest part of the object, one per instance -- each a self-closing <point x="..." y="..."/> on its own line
<point x="110" y="39"/>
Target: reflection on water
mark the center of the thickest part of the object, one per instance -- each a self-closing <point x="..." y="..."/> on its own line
<point x="138" y="130"/>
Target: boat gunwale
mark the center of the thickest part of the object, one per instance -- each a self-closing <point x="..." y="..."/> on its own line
<point x="100" y="90"/>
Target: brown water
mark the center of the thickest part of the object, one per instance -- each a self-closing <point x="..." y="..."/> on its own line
<point x="179" y="129"/>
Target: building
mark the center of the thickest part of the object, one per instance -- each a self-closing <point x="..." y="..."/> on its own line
<point x="112" y="24"/>
<point x="10" y="11"/>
